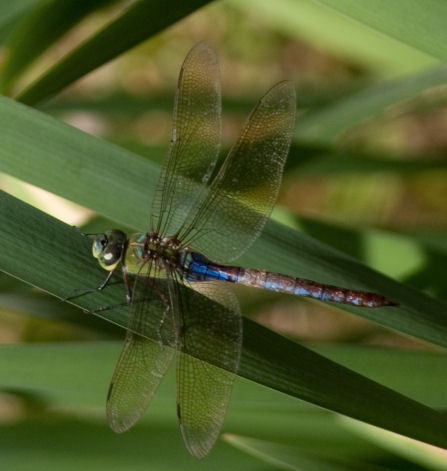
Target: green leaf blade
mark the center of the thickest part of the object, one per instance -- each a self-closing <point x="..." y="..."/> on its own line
<point x="40" y="30"/>
<point x="419" y="24"/>
<point x="142" y="20"/>
<point x="324" y="126"/>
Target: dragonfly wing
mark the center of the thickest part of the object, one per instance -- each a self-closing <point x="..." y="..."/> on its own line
<point x="146" y="355"/>
<point x="209" y="350"/>
<point x="194" y="143"/>
<point x="232" y="214"/>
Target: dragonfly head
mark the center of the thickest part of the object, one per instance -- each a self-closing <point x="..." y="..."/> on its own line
<point x="108" y="248"/>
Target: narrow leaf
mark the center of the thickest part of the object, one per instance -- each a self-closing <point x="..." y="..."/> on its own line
<point x="295" y="459"/>
<point x="325" y="125"/>
<point x="41" y="29"/>
<point x="331" y="31"/>
<point x="418" y="24"/>
<point x="142" y="20"/>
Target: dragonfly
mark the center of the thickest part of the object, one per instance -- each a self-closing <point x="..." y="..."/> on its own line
<point x="177" y="275"/>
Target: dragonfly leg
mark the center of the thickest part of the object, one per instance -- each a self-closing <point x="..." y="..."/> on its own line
<point x="106" y="282"/>
<point x="77" y="293"/>
<point x="106" y="308"/>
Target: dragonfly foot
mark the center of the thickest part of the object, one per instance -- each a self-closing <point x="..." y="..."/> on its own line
<point x="108" y="308"/>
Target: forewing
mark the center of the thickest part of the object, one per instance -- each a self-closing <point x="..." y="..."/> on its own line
<point x="148" y="350"/>
<point x="209" y="350"/>
<point x="232" y="214"/>
<point x="194" y="143"/>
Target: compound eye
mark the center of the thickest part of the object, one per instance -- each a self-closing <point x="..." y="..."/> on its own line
<point x="108" y="248"/>
<point x="99" y="245"/>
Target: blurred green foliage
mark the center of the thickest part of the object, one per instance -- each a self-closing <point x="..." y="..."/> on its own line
<point x="366" y="175"/>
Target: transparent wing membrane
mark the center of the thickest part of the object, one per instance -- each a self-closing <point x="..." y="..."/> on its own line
<point x="145" y="357"/>
<point x="207" y="361"/>
<point x="232" y="214"/>
<point x="195" y="141"/>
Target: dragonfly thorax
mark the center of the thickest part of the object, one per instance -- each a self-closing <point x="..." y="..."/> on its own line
<point x="149" y="248"/>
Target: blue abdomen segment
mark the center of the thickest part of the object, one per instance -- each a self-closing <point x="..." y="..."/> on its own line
<point x="199" y="268"/>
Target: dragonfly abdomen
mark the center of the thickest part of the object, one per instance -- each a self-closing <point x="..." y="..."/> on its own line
<point x="199" y="268"/>
<point x="310" y="289"/>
